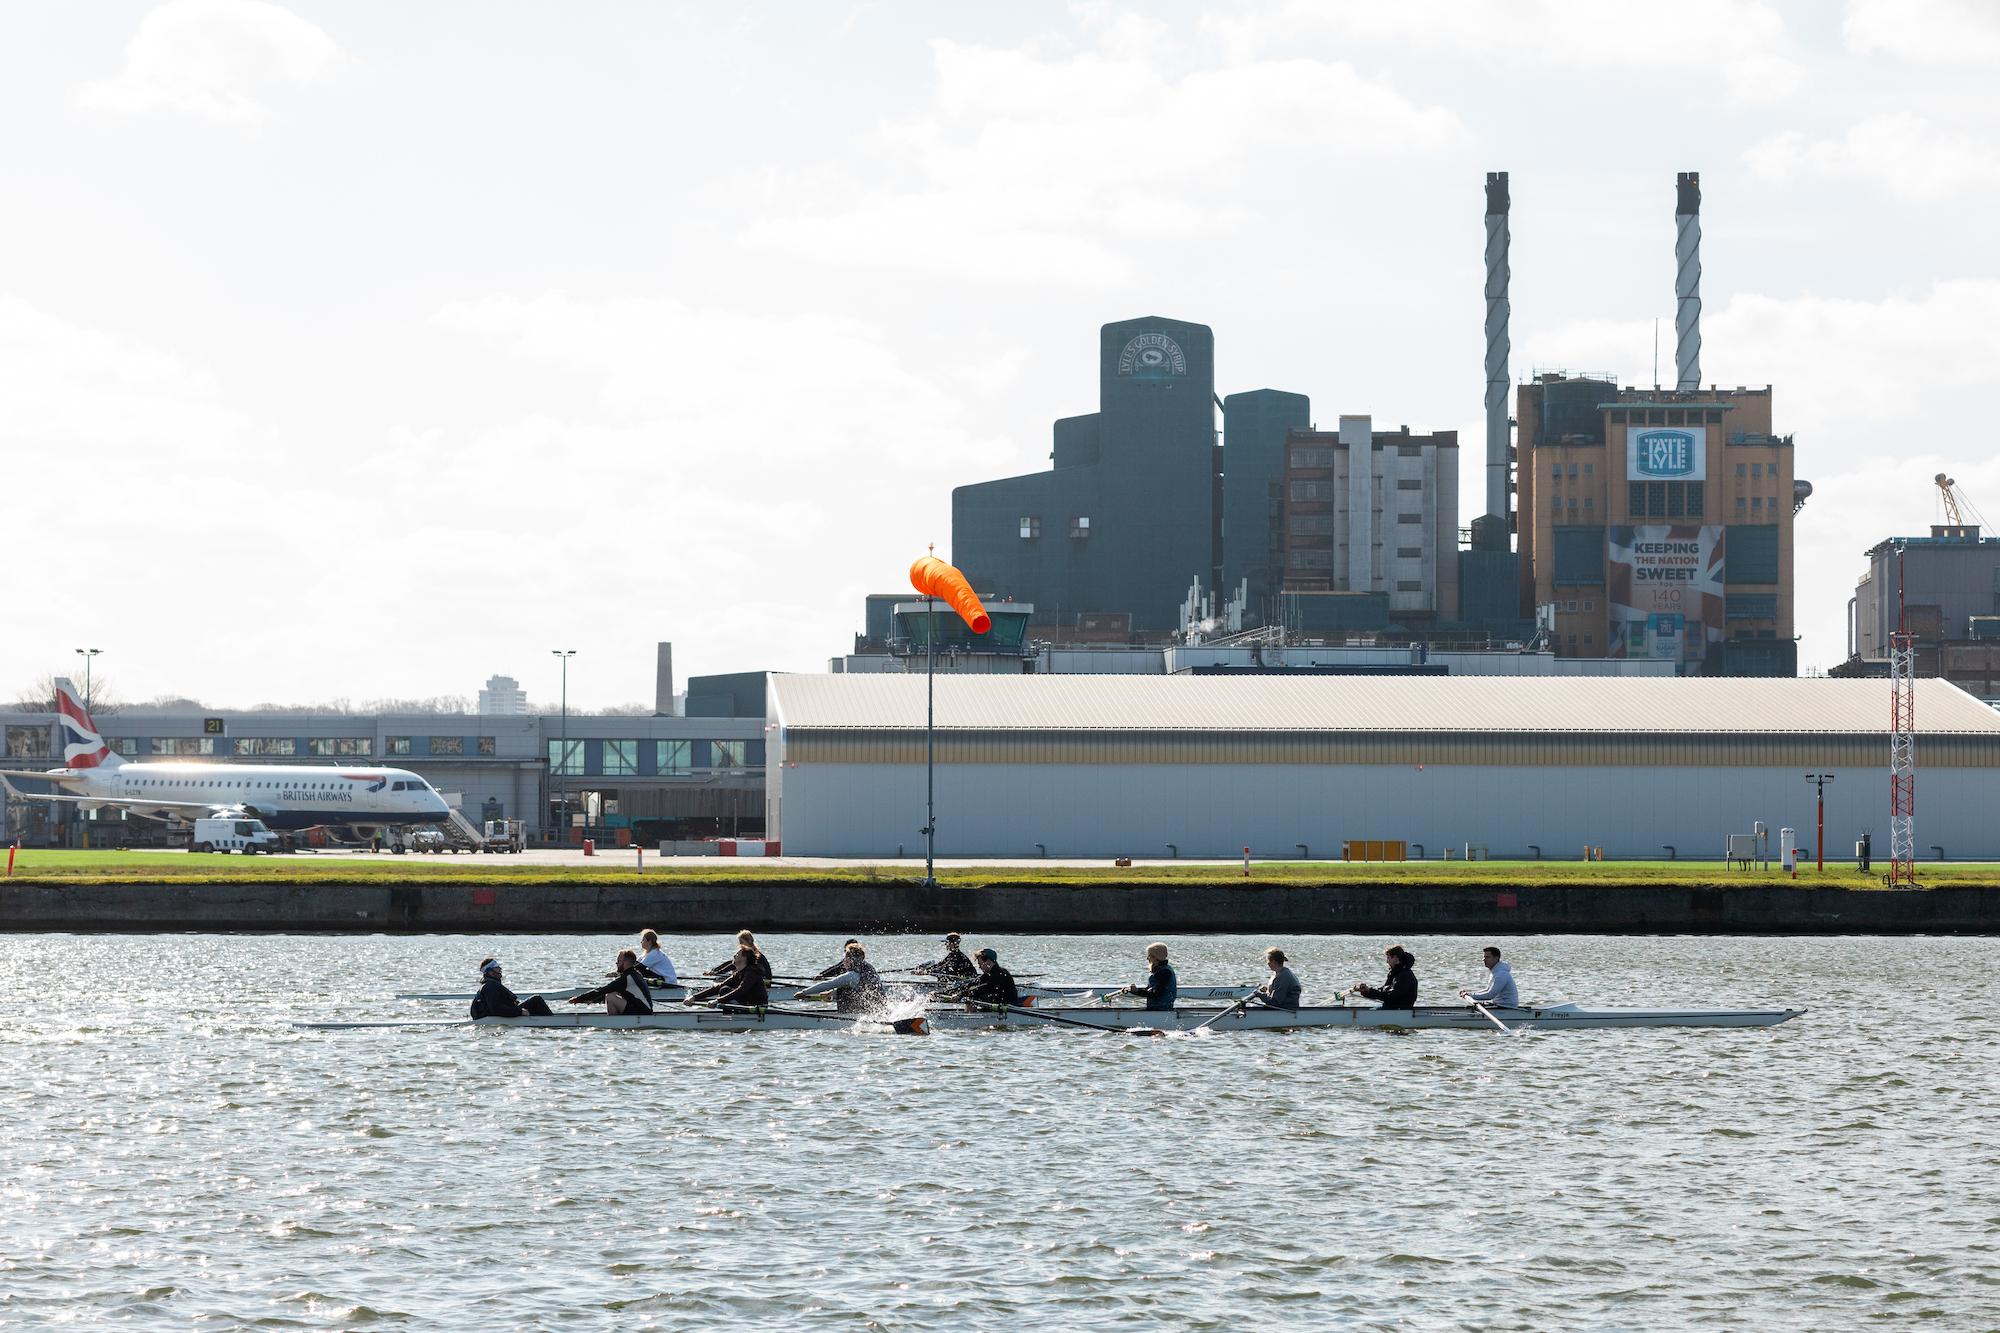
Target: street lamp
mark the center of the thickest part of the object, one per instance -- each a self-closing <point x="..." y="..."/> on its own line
<point x="1819" y="781"/>
<point x="86" y="654"/>
<point x="562" y="765"/>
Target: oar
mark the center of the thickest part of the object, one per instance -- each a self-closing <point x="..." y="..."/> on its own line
<point x="1242" y="1004"/>
<point x="909" y="1027"/>
<point x="1068" y="1022"/>
<point x="1489" y="1014"/>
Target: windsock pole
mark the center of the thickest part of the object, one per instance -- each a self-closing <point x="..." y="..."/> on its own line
<point x="930" y="742"/>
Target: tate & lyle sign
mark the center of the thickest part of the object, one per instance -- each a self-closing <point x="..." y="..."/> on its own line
<point x="1666" y="453"/>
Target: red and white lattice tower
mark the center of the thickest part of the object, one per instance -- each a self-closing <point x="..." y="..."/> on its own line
<point x="1902" y="746"/>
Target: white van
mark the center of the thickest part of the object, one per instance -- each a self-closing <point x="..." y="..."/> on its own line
<point x="247" y="836"/>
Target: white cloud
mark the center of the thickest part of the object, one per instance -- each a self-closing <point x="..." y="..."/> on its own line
<point x="1905" y="154"/>
<point x="212" y="58"/>
<point x="1030" y="166"/>
<point x="1930" y="32"/>
<point x="1742" y="42"/>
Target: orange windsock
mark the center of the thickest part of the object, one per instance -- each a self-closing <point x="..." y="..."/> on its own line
<point x="934" y="578"/>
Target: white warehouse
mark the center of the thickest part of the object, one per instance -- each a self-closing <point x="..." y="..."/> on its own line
<point x="1203" y="766"/>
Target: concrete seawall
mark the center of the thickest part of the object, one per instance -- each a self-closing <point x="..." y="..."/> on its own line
<point x="1146" y="908"/>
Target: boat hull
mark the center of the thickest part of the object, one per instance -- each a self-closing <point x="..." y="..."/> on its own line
<point x="782" y="993"/>
<point x="1560" y="1018"/>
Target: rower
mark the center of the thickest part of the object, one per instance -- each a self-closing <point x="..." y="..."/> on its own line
<point x="1500" y="989"/>
<point x="953" y="964"/>
<point x="496" y="1001"/>
<point x="838" y="965"/>
<point x="856" y="989"/>
<point x="1282" y="991"/>
<point x="995" y="984"/>
<point x="1162" y="986"/>
<point x="749" y="981"/>
<point x="653" y="959"/>
<point x="625" y="993"/>
<point x="1399" y="989"/>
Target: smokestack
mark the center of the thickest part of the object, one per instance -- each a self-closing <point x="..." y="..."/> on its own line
<point x="1497" y="347"/>
<point x="1687" y="281"/>
<point x="663" y="683"/>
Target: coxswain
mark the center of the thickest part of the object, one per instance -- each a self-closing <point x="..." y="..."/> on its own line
<point x="995" y="984"/>
<point x="748" y="984"/>
<point x="653" y="961"/>
<point x="1282" y="991"/>
<point x="1162" y="986"/>
<point x="838" y="965"/>
<point x="496" y="1001"/>
<point x="1500" y="989"/>
<point x="625" y="993"/>
<point x="1399" y="989"/>
<point x="954" y="964"/>
<point x="857" y="988"/>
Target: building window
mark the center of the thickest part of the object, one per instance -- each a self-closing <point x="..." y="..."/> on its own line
<point x="1312" y="525"/>
<point x="1409" y="451"/>
<point x="1409" y="552"/>
<point x="566" y="762"/>
<point x="1418" y="518"/>
<point x="621" y="758"/>
<point x="1586" y="641"/>
<point x="395" y="745"/>
<point x="1311" y="456"/>
<point x="728" y="754"/>
<point x="1756" y="504"/>
<point x="670" y="757"/>
<point x="1588" y="504"/>
<point x="1031" y="528"/>
<point x="1676" y="499"/>
<point x="1310" y="559"/>
<point x="1080" y="526"/>
<point x="341" y="747"/>
<point x="1556" y="472"/>
<point x="1694" y="498"/>
<point x="1635" y="499"/>
<point x="1409" y="483"/>
<point x="447" y="745"/>
<point x="27" y="742"/>
<point x="124" y="745"/>
<point x="1742" y="505"/>
<point x="1571" y="607"/>
<point x="1409" y="585"/>
<point x="265" y="745"/>
<point x="487" y="746"/>
<point x="1589" y="605"/>
<point x="1589" y="468"/>
<point x="1756" y="469"/>
<point x="186" y="747"/>
<point x="1742" y="469"/>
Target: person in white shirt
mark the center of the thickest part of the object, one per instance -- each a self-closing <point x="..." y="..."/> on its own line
<point x="654" y="959"/>
<point x="1500" y="989"/>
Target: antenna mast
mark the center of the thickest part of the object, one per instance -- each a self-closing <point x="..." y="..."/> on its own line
<point x="1902" y="743"/>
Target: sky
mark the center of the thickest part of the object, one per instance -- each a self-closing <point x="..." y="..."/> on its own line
<point x="365" y="350"/>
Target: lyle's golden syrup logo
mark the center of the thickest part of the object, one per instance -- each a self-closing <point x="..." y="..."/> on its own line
<point x="1152" y="356"/>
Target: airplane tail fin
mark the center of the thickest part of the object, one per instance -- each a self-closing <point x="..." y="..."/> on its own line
<point x="82" y="746"/>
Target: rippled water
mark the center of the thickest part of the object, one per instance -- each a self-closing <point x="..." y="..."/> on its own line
<point x="175" y="1154"/>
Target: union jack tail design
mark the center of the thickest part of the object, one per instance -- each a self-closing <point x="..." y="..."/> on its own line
<point x="82" y="746"/>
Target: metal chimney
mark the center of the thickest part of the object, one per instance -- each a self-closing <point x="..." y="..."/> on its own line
<point x="663" y="682"/>
<point x="1498" y="382"/>
<point x="1687" y="282"/>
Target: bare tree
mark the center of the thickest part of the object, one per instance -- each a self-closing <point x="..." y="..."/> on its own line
<point x="40" y="697"/>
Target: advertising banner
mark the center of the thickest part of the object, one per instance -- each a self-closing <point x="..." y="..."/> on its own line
<point x="1666" y="453"/>
<point x="1666" y="595"/>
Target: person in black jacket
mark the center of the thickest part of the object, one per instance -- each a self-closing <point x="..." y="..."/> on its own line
<point x="954" y="965"/>
<point x="496" y="1001"/>
<point x="1399" y="989"/>
<point x="625" y="993"/>
<point x="995" y="984"/>
<point x="749" y="981"/>
<point x="1162" y="986"/>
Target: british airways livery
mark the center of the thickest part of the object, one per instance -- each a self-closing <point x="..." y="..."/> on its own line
<point x="284" y="796"/>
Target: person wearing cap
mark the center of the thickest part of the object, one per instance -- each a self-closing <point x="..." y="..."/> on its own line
<point x="1162" y="986"/>
<point x="496" y="1001"/>
<point x="994" y="986"/>
<point x="1283" y="990"/>
<point x="625" y="993"/>
<point x="838" y="965"/>
<point x="653" y="960"/>
<point x="953" y="964"/>
<point x="856" y="989"/>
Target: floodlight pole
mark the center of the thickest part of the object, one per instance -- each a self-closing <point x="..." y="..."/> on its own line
<point x="1819" y="781"/>
<point x="86" y="654"/>
<point x="562" y="767"/>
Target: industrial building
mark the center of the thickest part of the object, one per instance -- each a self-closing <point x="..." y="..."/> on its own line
<point x="1298" y="765"/>
<point x="1944" y="590"/>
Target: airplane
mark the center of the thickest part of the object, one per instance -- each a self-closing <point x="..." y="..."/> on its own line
<point x="353" y="799"/>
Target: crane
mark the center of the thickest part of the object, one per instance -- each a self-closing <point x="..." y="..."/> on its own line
<point x="1945" y="487"/>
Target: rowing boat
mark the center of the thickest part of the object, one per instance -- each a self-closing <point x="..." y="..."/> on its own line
<point x="786" y="994"/>
<point x="1553" y="1018"/>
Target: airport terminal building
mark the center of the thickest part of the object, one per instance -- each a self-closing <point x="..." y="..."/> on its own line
<point x="1295" y="765"/>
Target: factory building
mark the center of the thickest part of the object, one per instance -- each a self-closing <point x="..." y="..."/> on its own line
<point x="1946" y="589"/>
<point x="1289" y="766"/>
<point x="1255" y="428"/>
<point x="1368" y="511"/>
<point x="1658" y="523"/>
<point x="1129" y="515"/>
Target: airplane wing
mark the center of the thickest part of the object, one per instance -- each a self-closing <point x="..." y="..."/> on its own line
<point x="198" y="807"/>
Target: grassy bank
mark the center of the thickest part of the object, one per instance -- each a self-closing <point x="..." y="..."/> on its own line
<point x="115" y="867"/>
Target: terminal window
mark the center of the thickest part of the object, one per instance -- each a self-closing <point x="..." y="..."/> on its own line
<point x="184" y="745"/>
<point x="266" y="745"/>
<point x="1030" y="528"/>
<point x="487" y="746"/>
<point x="27" y="742"/>
<point x="670" y="757"/>
<point x="621" y="758"/>
<point x="566" y="761"/>
<point x="340" y="747"/>
<point x="728" y="754"/>
<point x="447" y="745"/>
<point x="395" y="745"/>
